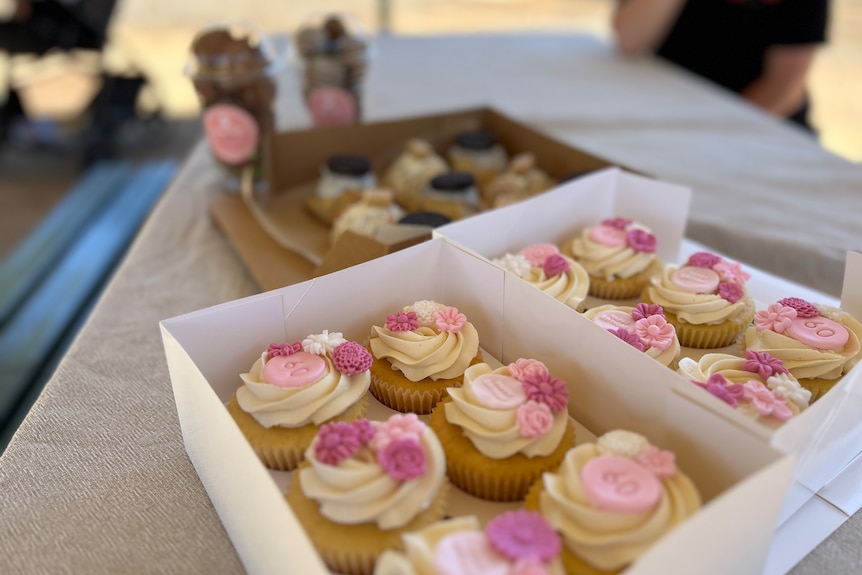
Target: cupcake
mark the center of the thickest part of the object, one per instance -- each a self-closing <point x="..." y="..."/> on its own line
<point x="521" y="180"/>
<point x="294" y="388"/>
<point x="343" y="179"/>
<point x="420" y="352"/>
<point x="619" y="254"/>
<point x="374" y="210"/>
<point x="503" y="428"/>
<point x="478" y="153"/>
<point x="606" y="524"/>
<point x="364" y="484"/>
<point x="411" y="171"/>
<point x="818" y="344"/>
<point x="758" y="385"/>
<point x="452" y="194"/>
<point x="705" y="299"/>
<point x="514" y="542"/>
<point x="644" y="327"/>
<point x="543" y="266"/>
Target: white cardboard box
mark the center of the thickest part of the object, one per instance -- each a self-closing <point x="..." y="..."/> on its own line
<point x="206" y="350"/>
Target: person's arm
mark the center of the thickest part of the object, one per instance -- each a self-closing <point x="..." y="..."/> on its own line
<point x="781" y="87"/>
<point x="640" y="26"/>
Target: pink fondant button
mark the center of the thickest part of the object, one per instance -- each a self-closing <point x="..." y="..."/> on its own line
<point x="468" y="553"/>
<point x="615" y="319"/>
<point x="538" y="253"/>
<point x="232" y="133"/>
<point x="696" y="280"/>
<point x="619" y="484"/>
<point x="818" y="332"/>
<point x="294" y="370"/>
<point x="608" y="236"/>
<point x="498" y="391"/>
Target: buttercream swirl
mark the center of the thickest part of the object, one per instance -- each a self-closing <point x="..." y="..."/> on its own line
<point x="427" y="351"/>
<point x="610" y="540"/>
<point x="496" y="431"/>
<point x="619" y="261"/>
<point x="359" y="489"/>
<point x="695" y="308"/>
<point x="570" y="286"/>
<point x="314" y="403"/>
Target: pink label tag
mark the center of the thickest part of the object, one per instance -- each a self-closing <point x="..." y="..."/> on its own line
<point x="232" y="133"/>
<point x="615" y="483"/>
<point x="608" y="236"/>
<point x="498" y="391"/>
<point x="696" y="280"/>
<point x="331" y="106"/>
<point x="615" y="319"/>
<point x="818" y="332"/>
<point x="294" y="370"/>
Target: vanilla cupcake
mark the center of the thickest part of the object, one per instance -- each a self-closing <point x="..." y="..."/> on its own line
<point x="543" y="266"/>
<point x="620" y="256"/>
<point x="478" y="153"/>
<point x="418" y="353"/>
<point x="817" y="343"/>
<point x="292" y="389"/>
<point x="364" y="484"/>
<point x="365" y="217"/>
<point x="411" y="171"/>
<point x="514" y="542"/>
<point x="644" y="327"/>
<point x="758" y="385"/>
<point x="343" y="178"/>
<point x="705" y="299"/>
<point x="521" y="180"/>
<point x="605" y="528"/>
<point x="503" y="428"/>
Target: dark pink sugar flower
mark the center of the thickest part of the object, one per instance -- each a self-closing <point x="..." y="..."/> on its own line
<point x="703" y="260"/>
<point x="730" y="291"/>
<point x="630" y="338"/>
<point x="641" y="240"/>
<point x="803" y="308"/>
<point x="555" y="265"/>
<point x="720" y="387"/>
<point x="351" y="358"/>
<point x="547" y="389"/>
<point x="280" y="349"/>
<point x="364" y="429"/>
<point x="336" y="442"/>
<point x="402" y="321"/>
<point x="763" y="364"/>
<point x="403" y="459"/>
<point x="523" y="534"/>
<point x="617" y="223"/>
<point x="643" y="310"/>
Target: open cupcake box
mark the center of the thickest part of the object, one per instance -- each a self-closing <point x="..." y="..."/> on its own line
<point x="770" y="496"/>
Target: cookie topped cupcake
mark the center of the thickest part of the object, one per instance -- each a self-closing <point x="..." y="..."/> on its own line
<point x="543" y="266"/>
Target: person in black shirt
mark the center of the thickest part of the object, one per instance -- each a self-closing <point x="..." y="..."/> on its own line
<point x="760" y="49"/>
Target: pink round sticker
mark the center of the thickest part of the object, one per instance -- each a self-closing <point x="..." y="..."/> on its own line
<point x="331" y="106"/>
<point x="608" y="236"/>
<point x="818" y="332"/>
<point x="618" y="484"/>
<point x="498" y="391"/>
<point x="615" y="319"/>
<point x="469" y="553"/>
<point x="696" y="280"/>
<point x="294" y="370"/>
<point x="232" y="133"/>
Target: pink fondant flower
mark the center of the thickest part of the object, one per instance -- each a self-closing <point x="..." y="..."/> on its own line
<point x="775" y="318"/>
<point x="630" y="338"/>
<point x="403" y="459"/>
<point x="336" y="442"/>
<point x="351" y="358"/>
<point x="617" y="223"/>
<point x="643" y="310"/>
<point x="279" y="349"/>
<point x="641" y="240"/>
<point x="546" y="389"/>
<point x="534" y="419"/>
<point x="449" y="319"/>
<point x="555" y="265"/>
<point x="365" y="430"/>
<point x="397" y="426"/>
<point x="763" y="364"/>
<point x="765" y="401"/>
<point x="523" y="534"/>
<point x="720" y="387"/>
<point x="730" y="291"/>
<point x="659" y="462"/>
<point x="402" y="321"/>
<point x="803" y="308"/>
<point x="523" y="368"/>
<point x="703" y="260"/>
<point x="528" y="567"/>
<point x="538" y="253"/>
<point x="731" y="272"/>
<point x="655" y="331"/>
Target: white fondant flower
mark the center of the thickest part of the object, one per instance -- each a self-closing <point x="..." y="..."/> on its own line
<point x="515" y="263"/>
<point x="786" y="386"/>
<point x="621" y="442"/>
<point x="322" y="343"/>
<point x="425" y="311"/>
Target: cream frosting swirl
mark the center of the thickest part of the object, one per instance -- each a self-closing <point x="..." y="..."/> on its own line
<point x="426" y="351"/>
<point x="317" y="402"/>
<point x="359" y="489"/>
<point x="610" y="540"/>
<point x="570" y="286"/>
<point x="695" y="308"/>
<point x="619" y="260"/>
<point x="496" y="431"/>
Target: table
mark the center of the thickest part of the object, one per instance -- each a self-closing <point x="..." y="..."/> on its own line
<point x="97" y="479"/>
